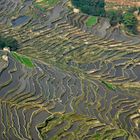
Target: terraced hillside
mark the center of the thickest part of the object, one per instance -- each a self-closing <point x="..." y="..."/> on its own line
<point x="67" y="81"/>
<point x="135" y="3"/>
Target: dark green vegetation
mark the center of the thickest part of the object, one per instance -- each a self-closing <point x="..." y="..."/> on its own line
<point x="8" y="42"/>
<point x="82" y="84"/>
<point x="97" y="8"/>
<point x="127" y="19"/>
<point x="91" y="7"/>
<point x="130" y="22"/>
<point x="115" y="17"/>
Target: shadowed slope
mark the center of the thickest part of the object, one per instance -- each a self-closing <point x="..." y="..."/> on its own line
<point x="34" y="95"/>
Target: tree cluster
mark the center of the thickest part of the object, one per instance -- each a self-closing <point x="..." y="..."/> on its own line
<point x="9" y="42"/>
<point x="130" y="22"/>
<point x="90" y="7"/>
<point x="127" y="19"/>
<point x="97" y="8"/>
<point x="115" y="17"/>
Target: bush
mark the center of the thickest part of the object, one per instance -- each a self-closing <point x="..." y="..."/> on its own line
<point x="132" y="9"/>
<point x="139" y="10"/>
<point x="9" y="42"/>
<point x="130" y="22"/>
<point x="115" y="17"/>
<point x="128" y="19"/>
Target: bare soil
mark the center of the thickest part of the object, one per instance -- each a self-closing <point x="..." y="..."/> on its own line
<point x="125" y="2"/>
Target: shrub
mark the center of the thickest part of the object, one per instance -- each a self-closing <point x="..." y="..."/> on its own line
<point x="8" y="42"/>
<point x="130" y="22"/>
<point x="115" y="17"/>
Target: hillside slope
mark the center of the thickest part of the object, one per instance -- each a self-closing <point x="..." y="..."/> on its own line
<point x="78" y="84"/>
<point x="42" y="99"/>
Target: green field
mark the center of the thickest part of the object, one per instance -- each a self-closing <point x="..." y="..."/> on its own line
<point x="109" y="85"/>
<point x="91" y="21"/>
<point x="23" y="59"/>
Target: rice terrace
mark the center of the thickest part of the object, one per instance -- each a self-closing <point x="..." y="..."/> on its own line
<point x="69" y="69"/>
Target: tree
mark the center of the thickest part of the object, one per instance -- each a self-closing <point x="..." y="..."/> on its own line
<point x="132" y="9"/>
<point x="90" y="7"/>
<point x="115" y="17"/>
<point x="9" y="42"/>
<point x="130" y="22"/>
<point x="139" y="10"/>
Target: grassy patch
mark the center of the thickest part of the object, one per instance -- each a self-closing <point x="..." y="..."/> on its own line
<point x="109" y="85"/>
<point x="23" y="59"/>
<point x="97" y="137"/>
<point x="39" y="7"/>
<point x="43" y="4"/>
<point x="91" y="21"/>
<point x="52" y="2"/>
